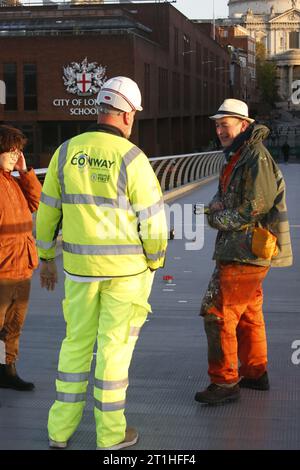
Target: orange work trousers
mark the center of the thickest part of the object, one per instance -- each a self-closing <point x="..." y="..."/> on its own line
<point x="234" y="323"/>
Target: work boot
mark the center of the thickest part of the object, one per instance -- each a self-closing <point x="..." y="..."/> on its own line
<point x="262" y="383"/>
<point x="131" y="438"/>
<point x="57" y="444"/>
<point x="10" y="379"/>
<point x="216" y="394"/>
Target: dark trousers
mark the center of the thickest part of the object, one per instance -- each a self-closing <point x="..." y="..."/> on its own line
<point x="14" y="297"/>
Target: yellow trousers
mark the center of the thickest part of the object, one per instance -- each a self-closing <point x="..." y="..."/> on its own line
<point x="111" y="312"/>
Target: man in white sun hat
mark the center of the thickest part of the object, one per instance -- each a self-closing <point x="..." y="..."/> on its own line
<point x="251" y="192"/>
<point x="114" y="232"/>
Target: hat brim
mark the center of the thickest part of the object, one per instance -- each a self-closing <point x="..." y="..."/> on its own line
<point x="239" y="116"/>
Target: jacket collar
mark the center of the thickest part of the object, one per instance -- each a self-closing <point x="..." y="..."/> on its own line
<point x="238" y="142"/>
<point x="7" y="174"/>
<point x="105" y="128"/>
<point x="254" y="134"/>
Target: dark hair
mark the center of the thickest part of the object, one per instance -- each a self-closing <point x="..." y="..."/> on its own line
<point x="11" y="138"/>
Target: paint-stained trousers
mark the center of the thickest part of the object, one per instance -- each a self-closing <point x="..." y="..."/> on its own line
<point x="234" y="323"/>
<point x="111" y="312"/>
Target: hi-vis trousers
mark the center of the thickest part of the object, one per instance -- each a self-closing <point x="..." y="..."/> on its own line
<point x="234" y="323"/>
<point x="111" y="312"/>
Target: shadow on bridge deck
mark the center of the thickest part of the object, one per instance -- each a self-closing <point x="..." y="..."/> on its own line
<point x="169" y="364"/>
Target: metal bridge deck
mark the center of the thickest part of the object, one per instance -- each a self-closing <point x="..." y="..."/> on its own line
<point x="169" y="363"/>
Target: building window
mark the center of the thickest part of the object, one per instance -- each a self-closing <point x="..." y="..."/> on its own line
<point x="218" y="69"/>
<point x="187" y="92"/>
<point x="30" y="87"/>
<point x="176" y="46"/>
<point x="49" y="136"/>
<point x="281" y="43"/>
<point x="10" y="80"/>
<point x="212" y="98"/>
<point x="199" y="95"/>
<point x="187" y="51"/>
<point x="29" y="131"/>
<point x="212" y="65"/>
<point x="205" y="62"/>
<point x="224" y="71"/>
<point x="198" y="58"/>
<point x="294" y="40"/>
<point x="176" y="92"/>
<point x="205" y="96"/>
<point x="147" y="87"/>
<point x="163" y="89"/>
<point x="68" y="129"/>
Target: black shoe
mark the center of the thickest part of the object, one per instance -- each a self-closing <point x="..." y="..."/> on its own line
<point x="10" y="379"/>
<point x="215" y="394"/>
<point x="262" y="383"/>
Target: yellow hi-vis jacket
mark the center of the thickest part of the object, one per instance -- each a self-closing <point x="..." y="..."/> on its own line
<point x="104" y="191"/>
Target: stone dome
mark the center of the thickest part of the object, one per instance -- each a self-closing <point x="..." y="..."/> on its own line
<point x="260" y="7"/>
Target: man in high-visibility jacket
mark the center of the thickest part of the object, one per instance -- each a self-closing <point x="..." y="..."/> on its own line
<point x="103" y="190"/>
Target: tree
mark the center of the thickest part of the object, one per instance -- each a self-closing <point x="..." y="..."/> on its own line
<point x="266" y="76"/>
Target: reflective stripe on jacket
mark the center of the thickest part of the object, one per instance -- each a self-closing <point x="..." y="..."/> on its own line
<point x="104" y="190"/>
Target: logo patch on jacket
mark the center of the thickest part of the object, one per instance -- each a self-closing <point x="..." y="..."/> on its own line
<point x="82" y="160"/>
<point x="98" y="178"/>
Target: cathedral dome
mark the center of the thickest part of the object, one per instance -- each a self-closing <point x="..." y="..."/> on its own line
<point x="260" y="7"/>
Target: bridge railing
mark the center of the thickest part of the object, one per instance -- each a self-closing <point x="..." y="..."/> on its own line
<point x="175" y="171"/>
<point x="178" y="170"/>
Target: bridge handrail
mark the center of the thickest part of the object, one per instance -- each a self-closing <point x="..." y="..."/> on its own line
<point x="174" y="171"/>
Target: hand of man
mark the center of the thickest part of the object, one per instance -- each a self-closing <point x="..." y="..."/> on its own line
<point x="48" y="274"/>
<point x="21" y="163"/>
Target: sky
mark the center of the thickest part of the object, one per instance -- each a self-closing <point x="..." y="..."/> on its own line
<point x="202" y="8"/>
<point x="190" y="8"/>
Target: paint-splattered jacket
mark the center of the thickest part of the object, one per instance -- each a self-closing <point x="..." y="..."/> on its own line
<point x="255" y="193"/>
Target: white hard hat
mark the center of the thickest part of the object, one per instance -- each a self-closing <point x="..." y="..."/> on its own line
<point x="121" y="93"/>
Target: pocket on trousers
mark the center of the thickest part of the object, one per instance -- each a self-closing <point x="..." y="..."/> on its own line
<point x="140" y="306"/>
<point x="136" y="322"/>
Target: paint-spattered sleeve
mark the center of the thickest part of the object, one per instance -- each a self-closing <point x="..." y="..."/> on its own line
<point x="259" y="189"/>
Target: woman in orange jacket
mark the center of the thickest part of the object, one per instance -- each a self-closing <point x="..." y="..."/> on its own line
<point x="18" y="258"/>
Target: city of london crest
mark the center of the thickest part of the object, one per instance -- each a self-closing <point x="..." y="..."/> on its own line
<point x="84" y="79"/>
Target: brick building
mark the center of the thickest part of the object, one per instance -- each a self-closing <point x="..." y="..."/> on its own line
<point x="244" y="48"/>
<point x="55" y="57"/>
